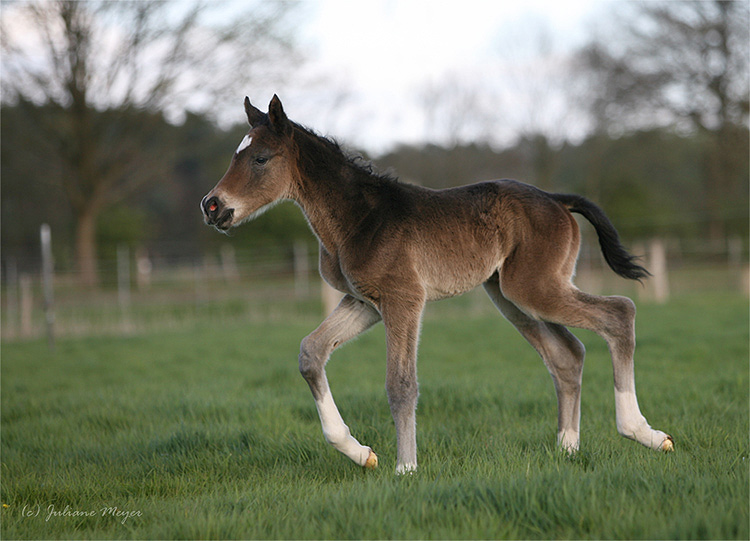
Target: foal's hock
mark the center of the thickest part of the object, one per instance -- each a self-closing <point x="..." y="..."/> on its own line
<point x="391" y="247"/>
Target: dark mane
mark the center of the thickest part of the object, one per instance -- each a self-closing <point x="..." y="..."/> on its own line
<point x="327" y="153"/>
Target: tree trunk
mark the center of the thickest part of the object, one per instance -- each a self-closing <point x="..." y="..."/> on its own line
<point x="88" y="275"/>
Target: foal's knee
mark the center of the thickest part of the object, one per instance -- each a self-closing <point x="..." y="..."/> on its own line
<point x="622" y="317"/>
<point x="626" y="307"/>
<point x="310" y="360"/>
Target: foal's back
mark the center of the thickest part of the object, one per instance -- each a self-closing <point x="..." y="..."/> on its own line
<point x="458" y="238"/>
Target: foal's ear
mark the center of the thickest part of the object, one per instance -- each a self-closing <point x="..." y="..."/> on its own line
<point x="254" y="115"/>
<point x="279" y="122"/>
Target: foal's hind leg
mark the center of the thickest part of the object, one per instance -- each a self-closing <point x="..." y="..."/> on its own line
<point x="613" y="318"/>
<point x="563" y="355"/>
<point x="350" y="318"/>
<point x="402" y="317"/>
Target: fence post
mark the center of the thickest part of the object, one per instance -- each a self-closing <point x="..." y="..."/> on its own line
<point x="229" y="264"/>
<point x="27" y="304"/>
<point x="123" y="285"/>
<point x="656" y="287"/>
<point x="48" y="288"/>
<point x="660" y="277"/>
<point x="10" y="321"/>
<point x="143" y="269"/>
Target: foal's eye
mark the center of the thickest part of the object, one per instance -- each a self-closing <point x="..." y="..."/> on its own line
<point x="261" y="160"/>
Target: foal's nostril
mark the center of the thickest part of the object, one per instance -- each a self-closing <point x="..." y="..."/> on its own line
<point x="210" y="207"/>
<point x="216" y="213"/>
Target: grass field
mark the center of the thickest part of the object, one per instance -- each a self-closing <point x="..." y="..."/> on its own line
<point x="211" y="433"/>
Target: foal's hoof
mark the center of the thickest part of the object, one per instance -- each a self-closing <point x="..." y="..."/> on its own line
<point x="667" y="445"/>
<point x="372" y="461"/>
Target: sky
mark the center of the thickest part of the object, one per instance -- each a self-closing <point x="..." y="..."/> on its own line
<point x="379" y="73"/>
<point x="378" y="58"/>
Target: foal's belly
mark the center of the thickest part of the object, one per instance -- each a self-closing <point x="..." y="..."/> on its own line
<point x="447" y="278"/>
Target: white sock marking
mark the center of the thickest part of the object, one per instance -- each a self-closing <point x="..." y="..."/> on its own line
<point x="632" y="424"/>
<point x="404" y="469"/>
<point x="337" y="433"/>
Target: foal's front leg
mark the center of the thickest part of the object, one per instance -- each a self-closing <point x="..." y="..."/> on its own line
<point x="402" y="320"/>
<point x="350" y="318"/>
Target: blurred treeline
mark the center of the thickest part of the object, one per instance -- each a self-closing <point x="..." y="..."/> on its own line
<point x="651" y="183"/>
<point x="666" y="152"/>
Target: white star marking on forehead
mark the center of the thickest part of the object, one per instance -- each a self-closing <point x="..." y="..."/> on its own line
<point x="244" y="144"/>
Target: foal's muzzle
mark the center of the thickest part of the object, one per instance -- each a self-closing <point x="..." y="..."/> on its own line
<point x="216" y="214"/>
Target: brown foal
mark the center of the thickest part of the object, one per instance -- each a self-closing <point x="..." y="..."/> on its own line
<point x="391" y="247"/>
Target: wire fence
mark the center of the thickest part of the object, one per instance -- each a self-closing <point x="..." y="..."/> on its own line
<point x="139" y="295"/>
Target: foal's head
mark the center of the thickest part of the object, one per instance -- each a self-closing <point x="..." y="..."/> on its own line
<point x="261" y="172"/>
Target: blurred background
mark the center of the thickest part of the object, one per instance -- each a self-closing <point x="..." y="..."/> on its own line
<point x="117" y="117"/>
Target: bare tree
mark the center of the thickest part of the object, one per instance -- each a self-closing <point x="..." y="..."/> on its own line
<point x="675" y="62"/>
<point x="457" y="110"/>
<point x="96" y="64"/>
<point x="681" y="64"/>
<point x="534" y="91"/>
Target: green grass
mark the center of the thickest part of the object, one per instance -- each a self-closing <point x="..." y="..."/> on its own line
<point x="212" y="433"/>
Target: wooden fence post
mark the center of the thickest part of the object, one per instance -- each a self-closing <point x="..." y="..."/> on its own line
<point x="660" y="278"/>
<point x="143" y="269"/>
<point x="48" y="286"/>
<point x="10" y="321"/>
<point x="123" y="285"/>
<point x="656" y="287"/>
<point x="27" y="304"/>
<point x="229" y="264"/>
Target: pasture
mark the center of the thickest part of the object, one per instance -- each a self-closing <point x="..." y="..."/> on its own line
<point x="210" y="432"/>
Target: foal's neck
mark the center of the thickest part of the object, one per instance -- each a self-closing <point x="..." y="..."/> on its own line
<point x="329" y="191"/>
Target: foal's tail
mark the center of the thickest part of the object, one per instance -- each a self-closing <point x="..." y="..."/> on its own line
<point x="614" y="252"/>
